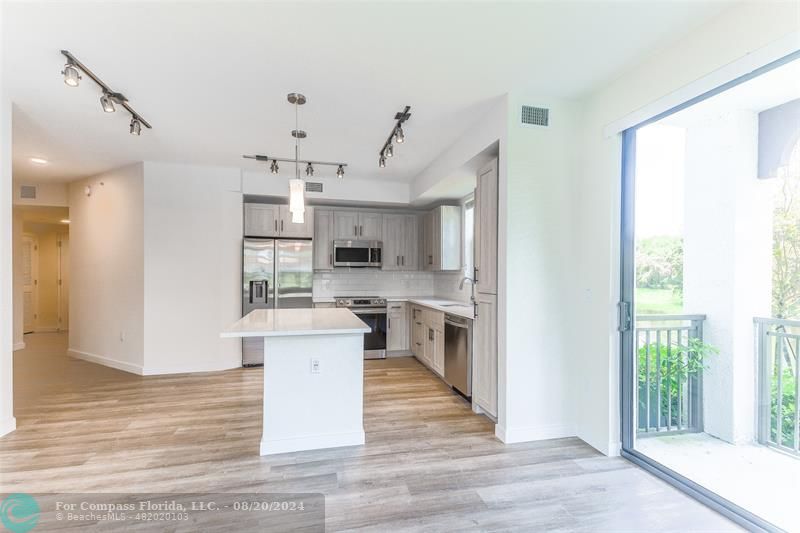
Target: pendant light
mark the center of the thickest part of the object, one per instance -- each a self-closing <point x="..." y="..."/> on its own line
<point x="297" y="201"/>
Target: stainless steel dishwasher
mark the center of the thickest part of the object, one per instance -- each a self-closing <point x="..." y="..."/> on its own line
<point x="458" y="354"/>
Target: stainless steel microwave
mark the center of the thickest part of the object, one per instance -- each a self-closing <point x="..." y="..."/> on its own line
<point x="358" y="254"/>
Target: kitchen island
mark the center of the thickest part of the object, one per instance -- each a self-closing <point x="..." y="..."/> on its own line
<point x="313" y="377"/>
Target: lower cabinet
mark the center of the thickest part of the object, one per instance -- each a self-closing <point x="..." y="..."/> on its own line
<point x="427" y="337"/>
<point x="417" y="333"/>
<point x="484" y="354"/>
<point x="397" y="334"/>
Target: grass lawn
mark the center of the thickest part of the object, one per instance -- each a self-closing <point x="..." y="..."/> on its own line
<point x="658" y="302"/>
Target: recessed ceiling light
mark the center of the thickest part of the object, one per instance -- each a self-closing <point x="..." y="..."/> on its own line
<point x="39" y="161"/>
<point x="65" y="221"/>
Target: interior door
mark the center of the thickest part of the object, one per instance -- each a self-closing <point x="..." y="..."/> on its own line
<point x="30" y="281"/>
<point x="63" y="282"/>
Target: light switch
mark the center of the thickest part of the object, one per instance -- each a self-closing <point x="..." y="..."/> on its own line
<point x="315" y="366"/>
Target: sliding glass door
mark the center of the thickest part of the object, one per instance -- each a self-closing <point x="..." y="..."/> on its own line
<point x="710" y="300"/>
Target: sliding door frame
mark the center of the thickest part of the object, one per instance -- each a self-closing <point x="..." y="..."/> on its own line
<point x="627" y="319"/>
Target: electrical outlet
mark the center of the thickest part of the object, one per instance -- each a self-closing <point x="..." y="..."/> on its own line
<point x="315" y="366"/>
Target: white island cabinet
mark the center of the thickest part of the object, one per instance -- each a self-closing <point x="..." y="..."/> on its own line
<point x="313" y="377"/>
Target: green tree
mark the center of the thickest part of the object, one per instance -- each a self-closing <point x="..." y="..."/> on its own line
<point x="786" y="243"/>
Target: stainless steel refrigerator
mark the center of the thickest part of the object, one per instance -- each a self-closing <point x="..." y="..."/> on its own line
<point x="276" y="274"/>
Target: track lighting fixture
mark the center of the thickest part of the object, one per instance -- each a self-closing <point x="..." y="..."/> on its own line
<point x="340" y="172"/>
<point x="108" y="103"/>
<point x="72" y="76"/>
<point x="309" y="170"/>
<point x="274" y="167"/>
<point x="397" y="135"/>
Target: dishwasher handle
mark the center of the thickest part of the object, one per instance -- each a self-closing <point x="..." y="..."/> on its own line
<point x="457" y="322"/>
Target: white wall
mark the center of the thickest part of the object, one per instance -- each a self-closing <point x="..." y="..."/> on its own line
<point x="701" y="60"/>
<point x="7" y="421"/>
<point x="106" y="267"/>
<point x="19" y="309"/>
<point x="535" y="273"/>
<point x="50" y="194"/>
<point x="192" y="267"/>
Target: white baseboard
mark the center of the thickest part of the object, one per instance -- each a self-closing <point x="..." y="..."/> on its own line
<point x="46" y="329"/>
<point x="527" y="434"/>
<point x="106" y="361"/>
<point x="7" y="426"/>
<point x="312" y="442"/>
<point x="19" y="345"/>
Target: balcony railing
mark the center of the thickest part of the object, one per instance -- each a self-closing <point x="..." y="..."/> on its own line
<point x="777" y="348"/>
<point x="670" y="374"/>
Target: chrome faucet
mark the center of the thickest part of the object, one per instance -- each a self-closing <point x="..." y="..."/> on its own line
<point x="464" y="280"/>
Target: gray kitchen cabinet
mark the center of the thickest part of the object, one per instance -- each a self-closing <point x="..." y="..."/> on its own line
<point x="393" y="241"/>
<point x="437" y="358"/>
<point x="345" y="225"/>
<point x="323" y="239"/>
<point x="484" y="354"/>
<point x="358" y="225"/>
<point x="271" y="220"/>
<point x="486" y="229"/>
<point x="261" y="220"/>
<point x="370" y="226"/>
<point x="417" y="332"/>
<point x="442" y="239"/>
<point x="397" y="335"/>
<point x="400" y="242"/>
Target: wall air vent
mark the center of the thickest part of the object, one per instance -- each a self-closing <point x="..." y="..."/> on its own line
<point x="535" y="116"/>
<point x="313" y="186"/>
<point x="27" y="192"/>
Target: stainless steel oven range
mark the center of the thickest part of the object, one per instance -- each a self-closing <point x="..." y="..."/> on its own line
<point x="372" y="311"/>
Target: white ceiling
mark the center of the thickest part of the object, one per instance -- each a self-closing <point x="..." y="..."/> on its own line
<point x="212" y="78"/>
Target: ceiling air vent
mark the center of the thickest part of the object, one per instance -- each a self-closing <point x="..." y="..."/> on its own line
<point x="535" y="116"/>
<point x="313" y="186"/>
<point x="28" y="192"/>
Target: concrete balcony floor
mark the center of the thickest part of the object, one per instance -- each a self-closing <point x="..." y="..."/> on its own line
<point x="762" y="480"/>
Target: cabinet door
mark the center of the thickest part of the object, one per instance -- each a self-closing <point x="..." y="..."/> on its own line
<point x="430" y="345"/>
<point x="290" y="230"/>
<point x="409" y="258"/>
<point x="323" y="240"/>
<point x="393" y="241"/>
<point x="486" y="229"/>
<point x="261" y="220"/>
<point x="370" y="226"/>
<point x="438" y="351"/>
<point x="397" y="335"/>
<point x="345" y="225"/>
<point x="427" y="241"/>
<point x="484" y="354"/>
<point x="418" y="333"/>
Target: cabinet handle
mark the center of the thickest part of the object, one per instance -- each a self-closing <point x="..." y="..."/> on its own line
<point x="403" y="260"/>
<point x="281" y="225"/>
<point x="330" y="259"/>
<point x="475" y="275"/>
<point x="361" y="231"/>
<point x="397" y="262"/>
<point x="355" y="230"/>
<point x="276" y="225"/>
<point x="475" y="306"/>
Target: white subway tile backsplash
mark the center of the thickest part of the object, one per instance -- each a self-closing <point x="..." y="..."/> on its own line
<point x="364" y="282"/>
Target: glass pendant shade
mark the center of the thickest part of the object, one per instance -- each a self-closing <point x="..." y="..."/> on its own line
<point x="297" y="205"/>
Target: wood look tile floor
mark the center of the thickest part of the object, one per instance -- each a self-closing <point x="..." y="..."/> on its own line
<point x="429" y="464"/>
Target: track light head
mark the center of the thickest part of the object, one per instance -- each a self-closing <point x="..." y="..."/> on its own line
<point x="389" y="151"/>
<point x="382" y="162"/>
<point x="309" y="170"/>
<point x="399" y="136"/>
<point x="136" y="127"/>
<point x="274" y="167"/>
<point x="340" y="172"/>
<point x="72" y="76"/>
<point x="107" y="102"/>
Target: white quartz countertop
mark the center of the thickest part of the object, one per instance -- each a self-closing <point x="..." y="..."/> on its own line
<point x="452" y="307"/>
<point x="294" y="322"/>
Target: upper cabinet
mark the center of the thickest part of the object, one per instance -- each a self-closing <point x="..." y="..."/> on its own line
<point x="323" y="239"/>
<point x="357" y="225"/>
<point x="486" y="230"/>
<point x="268" y="220"/>
<point x="400" y="242"/>
<point x="441" y="241"/>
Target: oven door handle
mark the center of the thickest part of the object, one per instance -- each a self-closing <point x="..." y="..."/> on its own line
<point x="370" y="311"/>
